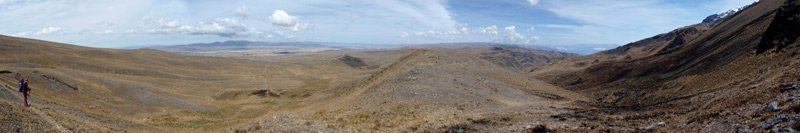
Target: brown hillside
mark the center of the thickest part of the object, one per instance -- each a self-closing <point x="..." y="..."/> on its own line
<point x="89" y="89"/>
<point x="81" y="89"/>
<point x="720" y="80"/>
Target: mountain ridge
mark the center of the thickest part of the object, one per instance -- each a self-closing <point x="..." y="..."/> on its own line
<point x="718" y="77"/>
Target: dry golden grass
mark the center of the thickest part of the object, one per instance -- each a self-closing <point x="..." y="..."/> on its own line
<point x="90" y="89"/>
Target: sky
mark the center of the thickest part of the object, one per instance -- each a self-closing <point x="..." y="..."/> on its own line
<point x="559" y="23"/>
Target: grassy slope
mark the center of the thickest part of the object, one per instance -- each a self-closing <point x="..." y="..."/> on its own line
<point x="90" y="89"/>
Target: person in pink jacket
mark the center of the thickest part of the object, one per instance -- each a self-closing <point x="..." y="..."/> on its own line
<point x="23" y="87"/>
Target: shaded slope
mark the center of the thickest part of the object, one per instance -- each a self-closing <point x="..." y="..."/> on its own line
<point x="653" y="46"/>
<point x="782" y="30"/>
<point x="563" y="71"/>
<point x="723" y="43"/>
<point x="656" y="45"/>
<point x="521" y="59"/>
<point x="350" y="61"/>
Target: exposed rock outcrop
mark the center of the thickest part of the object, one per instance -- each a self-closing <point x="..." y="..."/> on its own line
<point x="784" y="30"/>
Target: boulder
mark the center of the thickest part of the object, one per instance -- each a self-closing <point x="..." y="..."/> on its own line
<point x="772" y="121"/>
<point x="791" y="85"/>
<point x="774" y="106"/>
<point x="653" y="126"/>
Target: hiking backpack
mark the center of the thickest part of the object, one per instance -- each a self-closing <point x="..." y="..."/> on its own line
<point x="23" y="86"/>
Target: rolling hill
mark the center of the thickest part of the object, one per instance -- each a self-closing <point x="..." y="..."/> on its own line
<point x="82" y="89"/>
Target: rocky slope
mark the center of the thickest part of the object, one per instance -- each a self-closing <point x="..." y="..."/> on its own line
<point x="721" y="79"/>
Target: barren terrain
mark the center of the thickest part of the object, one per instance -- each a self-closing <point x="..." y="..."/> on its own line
<point x="415" y="89"/>
<point x="738" y="74"/>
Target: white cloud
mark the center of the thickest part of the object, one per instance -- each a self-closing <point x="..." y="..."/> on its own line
<point x="22" y="34"/>
<point x="599" y="49"/>
<point x="533" y="2"/>
<point x="302" y="26"/>
<point x="561" y="26"/>
<point x="105" y="32"/>
<point x="43" y="31"/>
<point x="48" y="30"/>
<point x="282" y="19"/>
<point x="489" y="30"/>
<point x="223" y="27"/>
<point x="458" y="30"/>
<point x="242" y="12"/>
<point x="508" y="35"/>
<point x="512" y="36"/>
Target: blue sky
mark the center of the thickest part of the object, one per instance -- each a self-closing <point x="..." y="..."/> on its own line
<point x="561" y="23"/>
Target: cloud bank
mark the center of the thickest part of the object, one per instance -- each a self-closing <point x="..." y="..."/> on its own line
<point x="223" y="27"/>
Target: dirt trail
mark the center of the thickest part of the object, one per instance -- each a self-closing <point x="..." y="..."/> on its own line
<point x="41" y="114"/>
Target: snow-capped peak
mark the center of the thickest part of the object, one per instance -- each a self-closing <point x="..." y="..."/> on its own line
<point x="714" y="18"/>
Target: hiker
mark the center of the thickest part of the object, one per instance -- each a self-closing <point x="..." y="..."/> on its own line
<point x="23" y="87"/>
